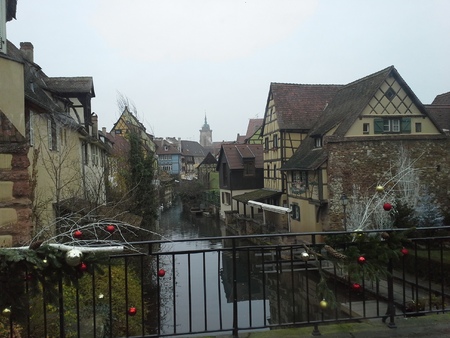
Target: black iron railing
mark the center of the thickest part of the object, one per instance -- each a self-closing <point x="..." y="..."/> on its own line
<point x="235" y="284"/>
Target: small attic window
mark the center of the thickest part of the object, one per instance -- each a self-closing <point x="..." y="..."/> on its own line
<point x="318" y="142"/>
<point x="390" y="94"/>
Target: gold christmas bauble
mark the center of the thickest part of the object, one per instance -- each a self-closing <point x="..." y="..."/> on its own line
<point x="323" y="304"/>
<point x="379" y="188"/>
<point x="6" y="312"/>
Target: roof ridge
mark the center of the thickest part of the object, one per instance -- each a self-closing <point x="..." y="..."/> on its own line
<point x="306" y="84"/>
<point x="370" y="76"/>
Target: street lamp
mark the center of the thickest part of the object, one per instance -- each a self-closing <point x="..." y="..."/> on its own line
<point x="344" y="202"/>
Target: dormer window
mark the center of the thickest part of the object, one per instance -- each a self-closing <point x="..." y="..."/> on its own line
<point x="318" y="142"/>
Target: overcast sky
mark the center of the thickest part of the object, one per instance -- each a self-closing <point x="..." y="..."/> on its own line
<point x="178" y="60"/>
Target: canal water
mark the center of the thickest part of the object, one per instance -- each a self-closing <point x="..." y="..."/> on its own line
<point x="201" y="287"/>
<point x="197" y="290"/>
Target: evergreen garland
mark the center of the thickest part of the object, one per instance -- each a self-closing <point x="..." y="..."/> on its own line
<point x="28" y="272"/>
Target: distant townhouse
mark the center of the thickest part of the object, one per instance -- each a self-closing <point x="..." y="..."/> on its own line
<point x="240" y="169"/>
<point x="169" y="155"/>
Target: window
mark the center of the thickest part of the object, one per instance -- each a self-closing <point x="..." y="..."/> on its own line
<point x="224" y="175"/>
<point x="85" y="153"/>
<point x="118" y="131"/>
<point x="390" y="93"/>
<point x="318" y="142"/>
<point x="52" y="135"/>
<point x="268" y="171"/>
<point x="94" y="154"/>
<point x="366" y="128"/>
<point x="226" y="198"/>
<point x="266" y="143"/>
<point x="299" y="182"/>
<point x="418" y="127"/>
<point x="295" y="214"/>
<point x="275" y="141"/>
<point x="30" y="129"/>
<point x="249" y="167"/>
<point x="274" y="171"/>
<point x="392" y="125"/>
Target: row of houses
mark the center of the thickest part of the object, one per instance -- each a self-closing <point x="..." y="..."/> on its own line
<point x="54" y="159"/>
<point x="318" y="143"/>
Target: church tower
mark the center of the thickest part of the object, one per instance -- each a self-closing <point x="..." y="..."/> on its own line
<point x="206" y="135"/>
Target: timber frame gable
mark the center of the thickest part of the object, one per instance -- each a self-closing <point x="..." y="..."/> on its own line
<point x="363" y="130"/>
<point x="291" y="111"/>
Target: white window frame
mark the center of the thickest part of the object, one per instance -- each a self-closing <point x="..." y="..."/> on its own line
<point x="392" y="125"/>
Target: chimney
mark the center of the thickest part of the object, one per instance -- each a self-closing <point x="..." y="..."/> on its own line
<point x="27" y="50"/>
<point x="104" y="130"/>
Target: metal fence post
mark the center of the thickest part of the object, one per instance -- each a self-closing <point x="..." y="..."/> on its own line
<point x="391" y="306"/>
<point x="235" y="296"/>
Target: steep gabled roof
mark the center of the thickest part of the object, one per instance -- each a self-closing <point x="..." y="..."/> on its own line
<point x="442" y="99"/>
<point x="348" y="103"/>
<point x="236" y="153"/>
<point x="209" y="159"/>
<point x="299" y="105"/>
<point x="351" y="100"/>
<point x="253" y="126"/>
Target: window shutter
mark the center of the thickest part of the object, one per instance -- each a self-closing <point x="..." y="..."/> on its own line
<point x="406" y="125"/>
<point x="49" y="132"/>
<point x="378" y="126"/>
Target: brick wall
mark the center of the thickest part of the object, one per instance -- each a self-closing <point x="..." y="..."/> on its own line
<point x="363" y="162"/>
<point x="15" y="203"/>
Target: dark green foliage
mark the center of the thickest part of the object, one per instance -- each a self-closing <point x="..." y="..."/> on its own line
<point x="25" y="273"/>
<point x="404" y="216"/>
<point x="140" y="180"/>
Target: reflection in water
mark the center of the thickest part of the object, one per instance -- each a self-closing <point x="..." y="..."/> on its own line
<point x="198" y="278"/>
<point x="198" y="287"/>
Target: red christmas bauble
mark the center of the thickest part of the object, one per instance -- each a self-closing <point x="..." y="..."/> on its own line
<point x="356" y="286"/>
<point x="132" y="311"/>
<point x="77" y="234"/>
<point x="404" y="251"/>
<point x="110" y="228"/>
<point x="361" y="259"/>
<point x="82" y="267"/>
<point x="387" y="206"/>
<point x="161" y="273"/>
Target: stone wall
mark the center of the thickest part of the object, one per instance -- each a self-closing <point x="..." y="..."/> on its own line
<point x="363" y="162"/>
<point x="15" y="202"/>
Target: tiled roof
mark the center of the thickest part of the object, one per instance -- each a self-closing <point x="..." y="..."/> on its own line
<point x="342" y="112"/>
<point x="192" y="148"/>
<point x="306" y="157"/>
<point x="440" y="114"/>
<point x="83" y="84"/>
<point x="349" y="102"/>
<point x="256" y="195"/>
<point x="253" y="126"/>
<point x="299" y="105"/>
<point x="442" y="99"/>
<point x="235" y="153"/>
<point x="209" y="159"/>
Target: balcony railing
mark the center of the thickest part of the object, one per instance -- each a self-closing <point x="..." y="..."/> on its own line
<point x="236" y="284"/>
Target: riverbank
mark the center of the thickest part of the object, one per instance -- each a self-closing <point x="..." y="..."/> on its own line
<point x="430" y="326"/>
